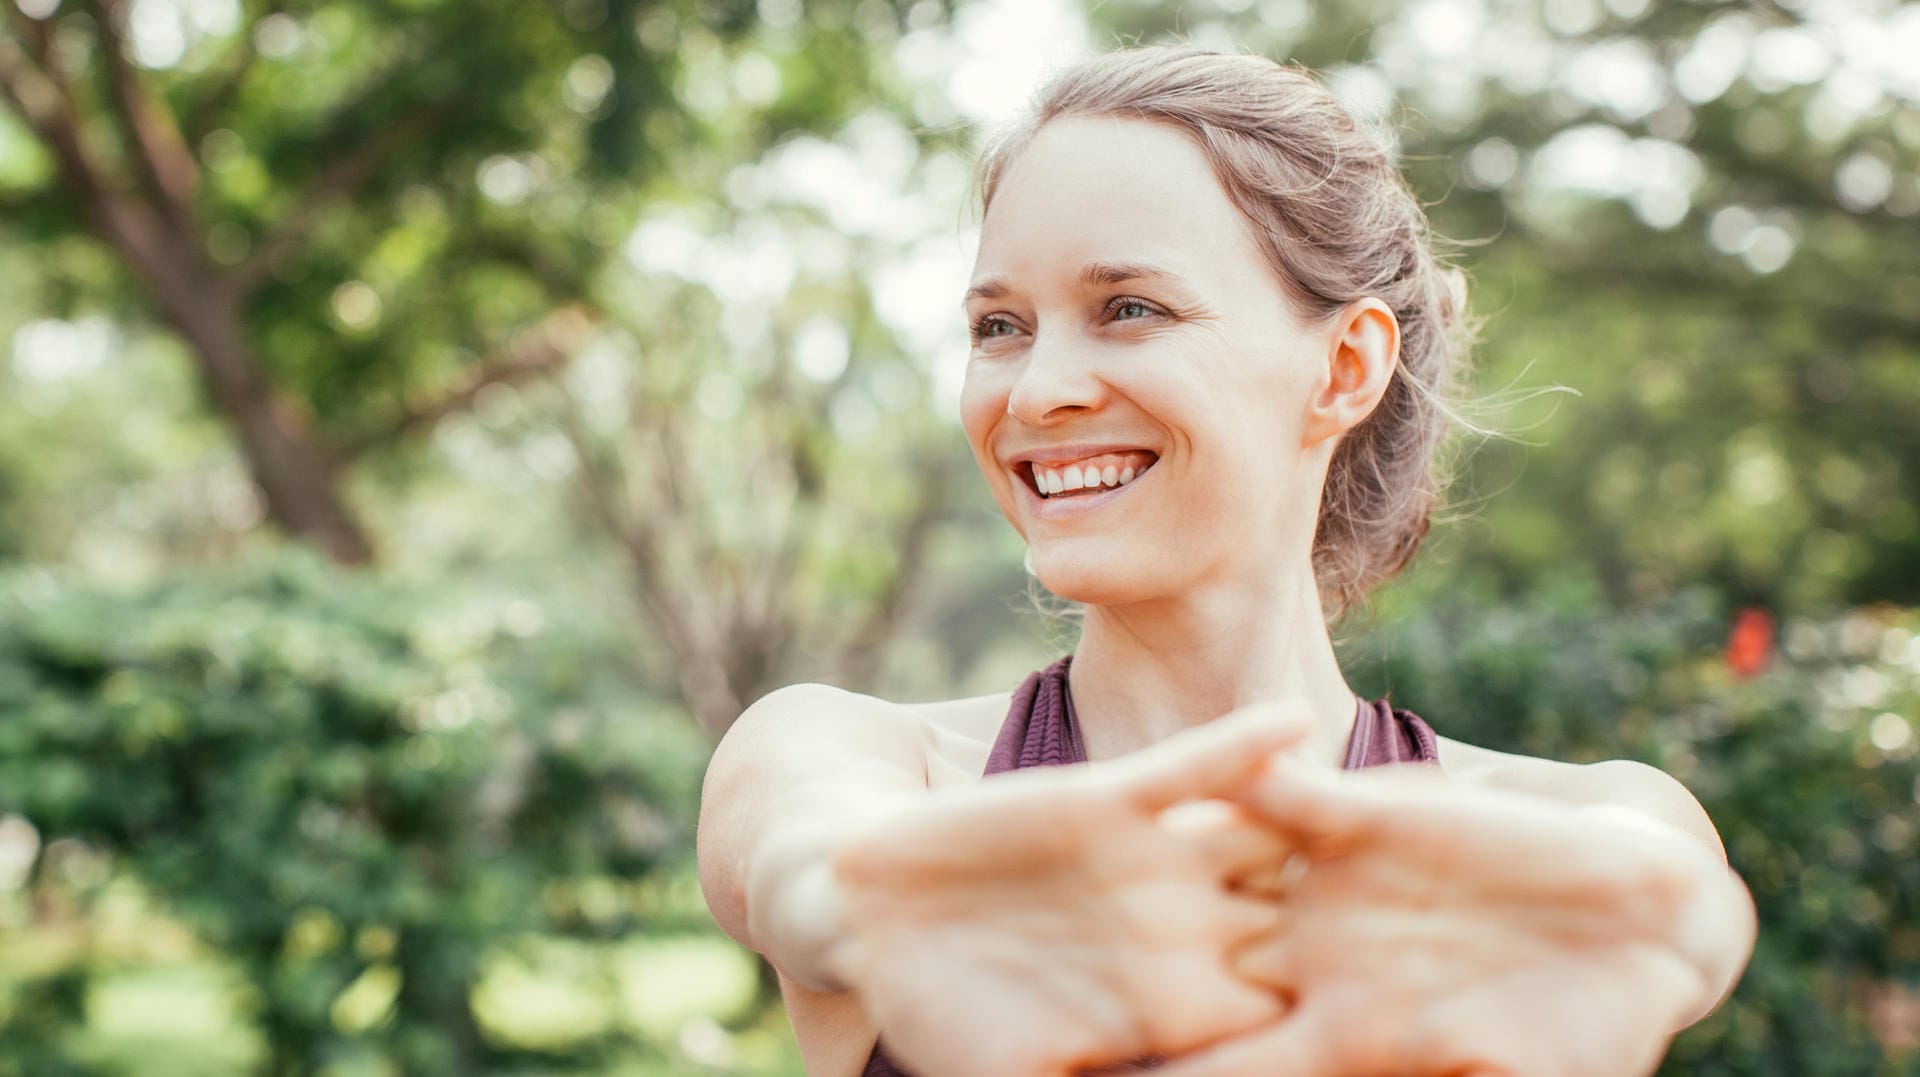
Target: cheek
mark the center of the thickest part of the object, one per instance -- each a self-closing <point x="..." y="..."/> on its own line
<point x="983" y="401"/>
<point x="1272" y="387"/>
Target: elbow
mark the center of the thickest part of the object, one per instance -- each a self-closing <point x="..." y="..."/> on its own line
<point x="722" y="882"/>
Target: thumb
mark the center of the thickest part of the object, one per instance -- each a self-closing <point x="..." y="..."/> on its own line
<point x="1211" y="759"/>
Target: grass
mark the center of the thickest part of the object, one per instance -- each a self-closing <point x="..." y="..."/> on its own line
<point x="157" y="1005"/>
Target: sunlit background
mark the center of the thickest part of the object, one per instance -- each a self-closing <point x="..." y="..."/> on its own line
<point x="425" y="424"/>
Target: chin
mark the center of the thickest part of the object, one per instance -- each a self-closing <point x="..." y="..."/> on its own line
<point x="1103" y="577"/>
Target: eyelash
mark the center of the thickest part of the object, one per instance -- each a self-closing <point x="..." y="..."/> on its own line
<point x="982" y="325"/>
<point x="1121" y="302"/>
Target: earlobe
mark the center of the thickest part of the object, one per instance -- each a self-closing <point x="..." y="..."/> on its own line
<point x="1362" y="350"/>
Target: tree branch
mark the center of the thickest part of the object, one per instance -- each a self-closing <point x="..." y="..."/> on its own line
<point x="338" y="180"/>
<point x="860" y="660"/>
<point x="34" y="31"/>
<point x="700" y="659"/>
<point x="546" y="347"/>
<point x="12" y="79"/>
<point x="165" y="166"/>
<point x="41" y="98"/>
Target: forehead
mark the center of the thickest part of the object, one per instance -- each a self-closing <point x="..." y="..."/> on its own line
<point x="1108" y="189"/>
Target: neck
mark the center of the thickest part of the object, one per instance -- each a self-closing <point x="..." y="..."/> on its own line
<point x="1144" y="672"/>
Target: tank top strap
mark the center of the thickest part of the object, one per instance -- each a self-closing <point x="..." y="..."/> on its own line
<point x="1383" y="734"/>
<point x="1041" y="729"/>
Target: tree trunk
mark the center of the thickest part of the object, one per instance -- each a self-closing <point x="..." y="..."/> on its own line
<point x="299" y="479"/>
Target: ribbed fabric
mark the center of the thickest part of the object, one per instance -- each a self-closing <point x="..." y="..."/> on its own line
<point x="1041" y="731"/>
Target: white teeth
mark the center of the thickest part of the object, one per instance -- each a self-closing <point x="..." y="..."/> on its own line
<point x="1050" y="481"/>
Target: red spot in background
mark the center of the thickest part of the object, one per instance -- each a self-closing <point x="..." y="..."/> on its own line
<point x="1750" y="642"/>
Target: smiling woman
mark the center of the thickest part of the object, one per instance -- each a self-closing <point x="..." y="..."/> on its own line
<point x="1211" y="357"/>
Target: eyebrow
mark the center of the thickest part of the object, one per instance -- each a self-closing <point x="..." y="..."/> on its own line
<point x="1094" y="273"/>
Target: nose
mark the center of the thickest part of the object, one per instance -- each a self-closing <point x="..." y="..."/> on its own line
<point x="1057" y="379"/>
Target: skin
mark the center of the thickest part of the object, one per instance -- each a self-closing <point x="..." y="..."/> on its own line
<point x="1118" y="301"/>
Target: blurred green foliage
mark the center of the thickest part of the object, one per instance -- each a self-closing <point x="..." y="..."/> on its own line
<point x="354" y="796"/>
<point x="1810" y="768"/>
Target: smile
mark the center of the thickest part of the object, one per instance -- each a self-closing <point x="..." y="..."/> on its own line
<point x="1088" y="475"/>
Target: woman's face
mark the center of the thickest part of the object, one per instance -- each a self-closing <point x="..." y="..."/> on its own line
<point x="1138" y="389"/>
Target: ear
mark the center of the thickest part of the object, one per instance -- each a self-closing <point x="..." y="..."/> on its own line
<point x="1362" y="350"/>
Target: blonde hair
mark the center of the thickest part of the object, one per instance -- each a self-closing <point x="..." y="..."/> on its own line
<point x="1337" y="223"/>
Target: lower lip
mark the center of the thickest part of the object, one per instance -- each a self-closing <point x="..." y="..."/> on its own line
<point x="1066" y="506"/>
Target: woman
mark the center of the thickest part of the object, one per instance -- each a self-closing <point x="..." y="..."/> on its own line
<point x="1211" y="351"/>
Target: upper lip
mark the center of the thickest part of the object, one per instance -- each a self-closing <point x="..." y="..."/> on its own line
<point x="1055" y="455"/>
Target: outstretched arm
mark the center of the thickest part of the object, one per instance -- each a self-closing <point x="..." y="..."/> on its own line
<point x="1032" y="925"/>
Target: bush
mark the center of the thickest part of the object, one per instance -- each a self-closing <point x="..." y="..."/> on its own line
<point x="353" y="793"/>
<point x="1808" y="769"/>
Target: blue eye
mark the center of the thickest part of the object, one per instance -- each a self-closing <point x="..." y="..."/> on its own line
<point x="992" y="325"/>
<point x="1124" y="309"/>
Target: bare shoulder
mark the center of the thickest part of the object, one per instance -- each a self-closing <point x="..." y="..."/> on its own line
<point x="959" y="735"/>
<point x="1618" y="782"/>
<point x="807" y="748"/>
<point x="973" y="716"/>
<point x="814" y="703"/>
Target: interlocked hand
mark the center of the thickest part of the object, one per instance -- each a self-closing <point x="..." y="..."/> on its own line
<point x="1445" y="930"/>
<point x="1057" y="920"/>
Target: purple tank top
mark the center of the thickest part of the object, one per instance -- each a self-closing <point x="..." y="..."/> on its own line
<point x="1041" y="731"/>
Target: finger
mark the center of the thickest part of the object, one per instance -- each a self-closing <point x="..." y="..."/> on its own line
<point x="1212" y="758"/>
<point x="1244" y="920"/>
<point x="1274" y="880"/>
<point x="1295" y="1046"/>
<point x="1266" y="959"/>
<point x="1317" y="811"/>
<point x="1208" y="1008"/>
<point x="1187" y="997"/>
<point x="1225" y="837"/>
